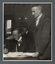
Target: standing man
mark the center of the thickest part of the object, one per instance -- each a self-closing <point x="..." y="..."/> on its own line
<point x="42" y="35"/>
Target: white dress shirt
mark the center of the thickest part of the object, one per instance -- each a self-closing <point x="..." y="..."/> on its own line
<point x="19" y="42"/>
<point x="38" y="18"/>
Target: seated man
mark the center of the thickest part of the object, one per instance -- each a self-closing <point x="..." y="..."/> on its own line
<point x="17" y="43"/>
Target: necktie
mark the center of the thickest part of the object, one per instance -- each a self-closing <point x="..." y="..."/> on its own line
<point x="37" y="21"/>
<point x="38" y="18"/>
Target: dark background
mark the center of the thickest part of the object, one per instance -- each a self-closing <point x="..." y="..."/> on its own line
<point x="14" y="11"/>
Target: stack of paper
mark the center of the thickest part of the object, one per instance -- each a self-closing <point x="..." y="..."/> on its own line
<point x="18" y="54"/>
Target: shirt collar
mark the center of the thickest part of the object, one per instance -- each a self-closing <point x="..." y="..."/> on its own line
<point x="39" y="16"/>
<point x="19" y="38"/>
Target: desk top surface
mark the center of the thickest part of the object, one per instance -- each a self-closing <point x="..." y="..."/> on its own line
<point x="18" y="54"/>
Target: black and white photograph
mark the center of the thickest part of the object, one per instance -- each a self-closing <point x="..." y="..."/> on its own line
<point x="27" y="31"/>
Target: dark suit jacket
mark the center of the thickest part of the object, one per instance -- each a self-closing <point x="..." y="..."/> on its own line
<point x="41" y="36"/>
<point x="11" y="45"/>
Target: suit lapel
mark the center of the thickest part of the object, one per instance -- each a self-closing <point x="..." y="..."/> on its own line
<point x="40" y="22"/>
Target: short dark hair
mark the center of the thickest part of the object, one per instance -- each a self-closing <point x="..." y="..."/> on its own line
<point x="36" y="5"/>
<point x="18" y="29"/>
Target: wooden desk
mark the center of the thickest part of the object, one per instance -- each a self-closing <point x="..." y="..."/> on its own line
<point x="19" y="56"/>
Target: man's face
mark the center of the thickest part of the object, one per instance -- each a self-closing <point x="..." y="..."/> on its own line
<point x="16" y="35"/>
<point x="35" y="11"/>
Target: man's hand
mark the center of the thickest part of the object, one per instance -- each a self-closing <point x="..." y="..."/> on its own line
<point x="5" y="51"/>
<point x="36" y="54"/>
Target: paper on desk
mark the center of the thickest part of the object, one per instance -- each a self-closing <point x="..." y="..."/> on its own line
<point x="28" y="54"/>
<point x="4" y="55"/>
<point x="14" y="54"/>
<point x="18" y="54"/>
